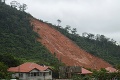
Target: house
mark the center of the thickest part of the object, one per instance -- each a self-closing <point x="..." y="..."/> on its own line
<point x="31" y="71"/>
<point x="69" y="71"/>
<point x="86" y="72"/>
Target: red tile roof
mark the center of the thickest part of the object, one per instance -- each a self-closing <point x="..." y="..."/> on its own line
<point x="27" y="67"/>
<point x="85" y="71"/>
<point x="111" y="69"/>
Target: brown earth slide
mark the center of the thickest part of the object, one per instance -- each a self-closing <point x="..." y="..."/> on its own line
<point x="65" y="49"/>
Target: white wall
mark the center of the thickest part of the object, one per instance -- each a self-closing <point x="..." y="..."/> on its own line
<point x="27" y="76"/>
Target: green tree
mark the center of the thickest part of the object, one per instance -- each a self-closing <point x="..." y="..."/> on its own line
<point x="77" y="77"/>
<point x="59" y="21"/>
<point x="74" y="30"/>
<point x="67" y="28"/>
<point x="14" y="4"/>
<point x="118" y="67"/>
<point x="9" y="60"/>
<point x="23" y="7"/>
<point x="101" y="74"/>
<point x="3" y="71"/>
<point x="118" y="71"/>
<point x="2" y="1"/>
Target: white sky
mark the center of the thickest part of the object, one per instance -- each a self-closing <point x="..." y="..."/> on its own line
<point x="91" y="16"/>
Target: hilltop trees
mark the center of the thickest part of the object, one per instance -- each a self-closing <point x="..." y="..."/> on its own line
<point x="74" y="30"/>
<point x="2" y="1"/>
<point x="67" y="28"/>
<point x="14" y="4"/>
<point x="59" y="21"/>
<point x="21" y="7"/>
<point x="98" y="45"/>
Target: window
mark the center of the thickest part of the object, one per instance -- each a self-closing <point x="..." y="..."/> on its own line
<point x="35" y="74"/>
<point x="20" y="74"/>
<point x="28" y="74"/>
<point x="49" y="72"/>
<point x="43" y="73"/>
<point x="32" y="74"/>
<point x="40" y="74"/>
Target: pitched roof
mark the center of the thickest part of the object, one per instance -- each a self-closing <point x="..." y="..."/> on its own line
<point x="85" y="71"/>
<point x="27" y="67"/>
<point x="111" y="69"/>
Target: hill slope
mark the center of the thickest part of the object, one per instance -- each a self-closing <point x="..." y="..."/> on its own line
<point x="98" y="45"/>
<point x="64" y="49"/>
<point x="18" y="39"/>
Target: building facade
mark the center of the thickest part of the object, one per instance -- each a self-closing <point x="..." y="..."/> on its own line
<point x="31" y="71"/>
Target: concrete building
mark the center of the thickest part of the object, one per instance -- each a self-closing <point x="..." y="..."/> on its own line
<point x="31" y="71"/>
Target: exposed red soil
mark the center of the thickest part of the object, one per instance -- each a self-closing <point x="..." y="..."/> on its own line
<point x="65" y="49"/>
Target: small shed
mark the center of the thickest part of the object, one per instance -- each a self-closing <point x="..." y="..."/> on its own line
<point x="85" y="71"/>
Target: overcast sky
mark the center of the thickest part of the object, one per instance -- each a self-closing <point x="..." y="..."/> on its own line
<point x="91" y="16"/>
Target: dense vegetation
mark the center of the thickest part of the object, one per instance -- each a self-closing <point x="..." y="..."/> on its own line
<point x="98" y="45"/>
<point x="101" y="74"/>
<point x="18" y="40"/>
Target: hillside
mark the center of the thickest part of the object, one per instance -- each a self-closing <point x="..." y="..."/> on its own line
<point x="26" y="39"/>
<point x="98" y="45"/>
<point x="65" y="49"/>
<point x="18" y="40"/>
